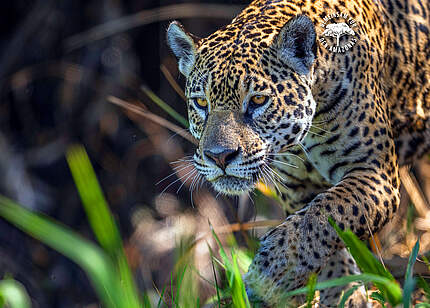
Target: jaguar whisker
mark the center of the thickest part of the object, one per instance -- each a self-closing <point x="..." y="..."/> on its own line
<point x="174" y="172"/>
<point x="287" y="154"/>
<point x="179" y="179"/>
<point x="322" y="129"/>
<point x="304" y="149"/>
<point x="279" y="178"/>
<point x="184" y="181"/>
<point x="272" y="179"/>
<point x="281" y="162"/>
<point x="185" y="158"/>
<point x="316" y="134"/>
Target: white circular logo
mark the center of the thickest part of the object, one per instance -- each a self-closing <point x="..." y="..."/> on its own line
<point x="339" y="34"/>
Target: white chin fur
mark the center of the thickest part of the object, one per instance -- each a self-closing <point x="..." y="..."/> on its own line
<point x="232" y="186"/>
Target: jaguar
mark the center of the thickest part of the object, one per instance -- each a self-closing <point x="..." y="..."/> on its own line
<point x="269" y="101"/>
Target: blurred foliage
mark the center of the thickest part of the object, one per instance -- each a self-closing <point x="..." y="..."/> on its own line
<point x="13" y="294"/>
<point x="107" y="269"/>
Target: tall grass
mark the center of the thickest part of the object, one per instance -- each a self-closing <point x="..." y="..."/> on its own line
<point x="106" y="265"/>
<point x="107" y="268"/>
<point x="13" y="294"/>
<point x="388" y="290"/>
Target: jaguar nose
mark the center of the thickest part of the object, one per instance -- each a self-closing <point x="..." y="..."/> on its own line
<point x="223" y="158"/>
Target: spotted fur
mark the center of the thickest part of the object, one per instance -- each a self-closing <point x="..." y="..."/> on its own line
<point x="345" y="121"/>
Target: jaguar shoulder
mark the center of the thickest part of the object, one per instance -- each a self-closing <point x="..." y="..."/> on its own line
<point x="271" y="97"/>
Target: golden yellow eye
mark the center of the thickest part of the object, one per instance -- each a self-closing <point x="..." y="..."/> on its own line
<point x="259" y="99"/>
<point x="201" y="102"/>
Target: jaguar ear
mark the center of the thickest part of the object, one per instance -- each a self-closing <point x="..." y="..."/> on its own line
<point x="296" y="44"/>
<point x="182" y="44"/>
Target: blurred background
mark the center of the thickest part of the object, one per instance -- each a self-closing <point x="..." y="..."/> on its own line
<point x="59" y="63"/>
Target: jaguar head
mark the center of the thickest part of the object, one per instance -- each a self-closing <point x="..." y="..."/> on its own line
<point x="249" y="96"/>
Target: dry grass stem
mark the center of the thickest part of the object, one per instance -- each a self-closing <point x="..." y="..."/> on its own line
<point x="248" y="226"/>
<point x="152" y="117"/>
<point x="172" y="82"/>
<point x="170" y="12"/>
<point x="241" y="227"/>
<point x="414" y="191"/>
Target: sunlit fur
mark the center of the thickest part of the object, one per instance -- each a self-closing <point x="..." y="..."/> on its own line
<point x="348" y="119"/>
<point x="278" y="124"/>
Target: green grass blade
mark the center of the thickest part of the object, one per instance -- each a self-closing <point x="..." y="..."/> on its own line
<point x="368" y="263"/>
<point x="347" y="295"/>
<point x="146" y="301"/>
<point x="362" y="255"/>
<point x="311" y="290"/>
<point x="101" y="220"/>
<point x="215" y="278"/>
<point x="410" y="282"/>
<point x="408" y="288"/>
<point x="163" y="105"/>
<point x="234" y="278"/>
<point x="161" y="299"/>
<point x="422" y="283"/>
<point x="130" y="297"/>
<point x="187" y="287"/>
<point x="411" y="261"/>
<point x="92" y="259"/>
<point x="13" y="294"/>
<point x="222" y="252"/>
<point x="362" y="278"/>
<point x="174" y="303"/>
<point x="239" y="291"/>
<point x="179" y="282"/>
<point x="377" y="296"/>
<point x="426" y="261"/>
<point x="243" y="259"/>
<point x="95" y="205"/>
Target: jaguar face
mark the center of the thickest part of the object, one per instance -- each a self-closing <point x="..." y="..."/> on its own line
<point x="246" y="102"/>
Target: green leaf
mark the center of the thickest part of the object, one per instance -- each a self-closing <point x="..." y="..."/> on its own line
<point x="95" y="205"/>
<point x="186" y="285"/>
<point x="409" y="285"/>
<point x="426" y="261"/>
<point x="362" y="278"/>
<point x="101" y="220"/>
<point x="179" y="281"/>
<point x="347" y="295"/>
<point x="13" y="294"/>
<point x="146" y="301"/>
<point x="243" y="259"/>
<point x="59" y="237"/>
<point x="412" y="259"/>
<point x="311" y="289"/>
<point x="369" y="264"/>
<point x="408" y="288"/>
<point x="161" y="299"/>
<point x="215" y="278"/>
<point x="234" y="277"/>
<point x="377" y="296"/>
<point x="422" y="283"/>
<point x="239" y="295"/>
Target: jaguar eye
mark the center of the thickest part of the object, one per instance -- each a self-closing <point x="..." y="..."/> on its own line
<point x="201" y="102"/>
<point x="259" y="99"/>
